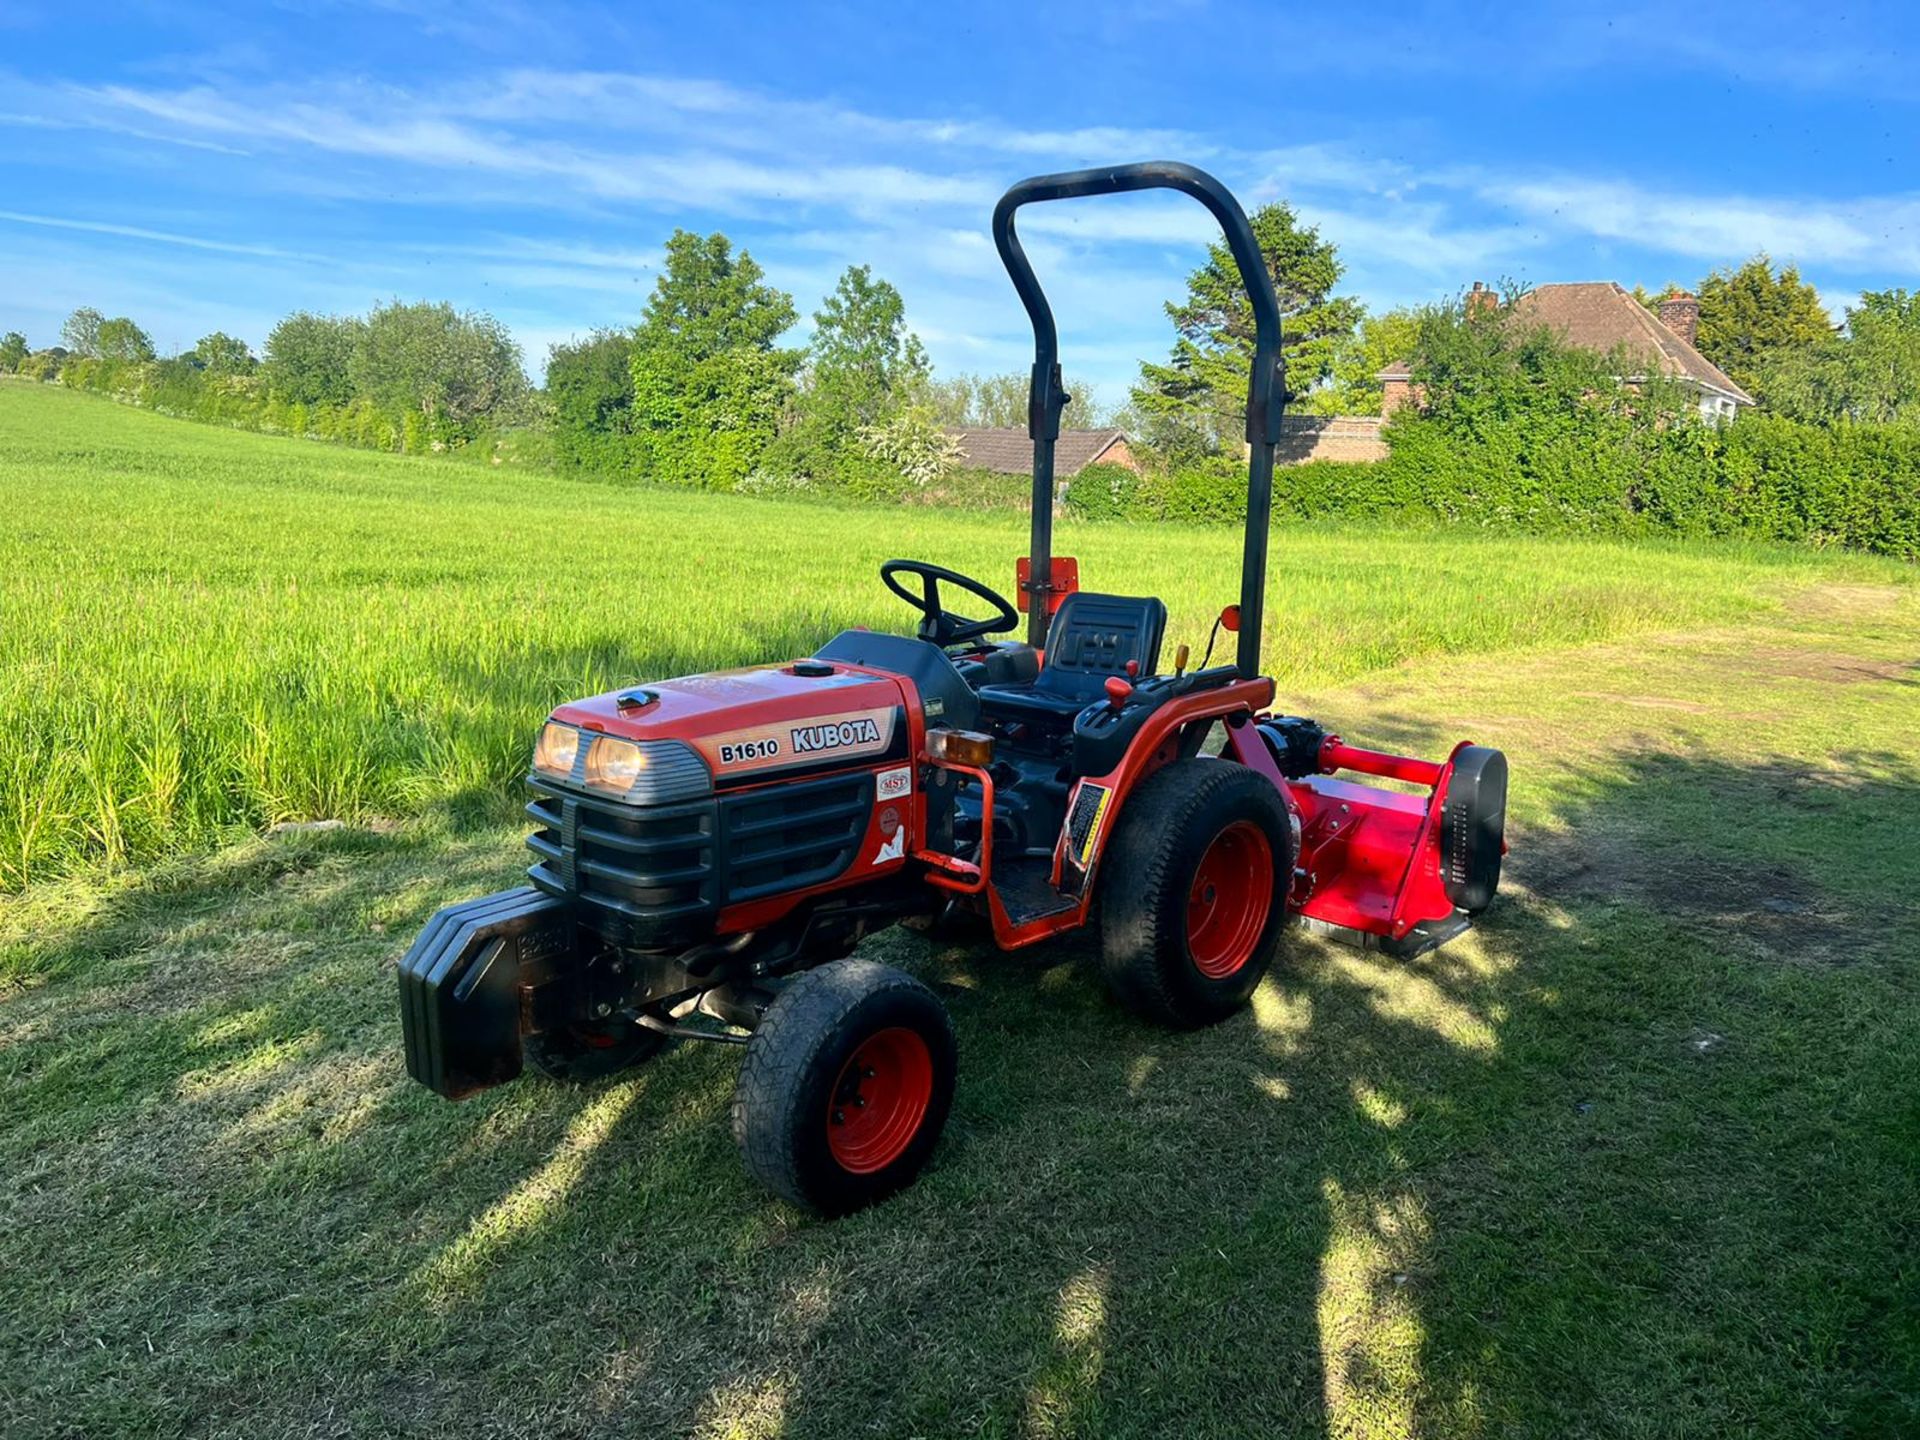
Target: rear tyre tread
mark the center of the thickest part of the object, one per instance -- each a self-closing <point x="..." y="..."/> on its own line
<point x="1164" y="830"/>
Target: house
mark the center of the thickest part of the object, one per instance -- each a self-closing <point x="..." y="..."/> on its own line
<point x="1007" y="450"/>
<point x="1599" y="315"/>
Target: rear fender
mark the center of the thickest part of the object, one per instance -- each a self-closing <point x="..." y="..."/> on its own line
<point x="1096" y="802"/>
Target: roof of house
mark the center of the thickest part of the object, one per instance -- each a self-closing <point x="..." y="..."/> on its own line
<point x="1398" y="370"/>
<point x="1599" y="315"/>
<point x="1009" y="451"/>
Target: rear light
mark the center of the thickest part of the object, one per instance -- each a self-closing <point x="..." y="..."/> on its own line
<point x="960" y="747"/>
<point x="556" y="749"/>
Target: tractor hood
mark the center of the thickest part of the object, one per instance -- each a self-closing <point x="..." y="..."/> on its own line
<point x="748" y="724"/>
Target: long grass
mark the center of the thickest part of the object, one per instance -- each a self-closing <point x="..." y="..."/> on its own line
<point x="203" y="631"/>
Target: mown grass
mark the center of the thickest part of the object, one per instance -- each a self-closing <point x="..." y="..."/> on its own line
<point x="204" y="631"/>
<point x="1637" y="1158"/>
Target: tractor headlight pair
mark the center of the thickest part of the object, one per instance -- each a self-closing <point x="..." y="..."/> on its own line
<point x="644" y="772"/>
<point x="612" y="764"/>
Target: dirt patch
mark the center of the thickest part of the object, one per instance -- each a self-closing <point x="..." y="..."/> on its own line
<point x="1832" y="667"/>
<point x="1769" y="906"/>
<point x="1646" y="702"/>
<point x="1846" y="601"/>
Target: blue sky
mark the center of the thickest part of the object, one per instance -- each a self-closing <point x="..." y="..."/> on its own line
<point x="210" y="167"/>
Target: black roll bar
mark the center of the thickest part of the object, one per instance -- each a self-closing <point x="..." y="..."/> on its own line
<point x="1266" y="387"/>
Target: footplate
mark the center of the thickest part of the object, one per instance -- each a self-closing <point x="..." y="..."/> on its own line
<point x="461" y="987"/>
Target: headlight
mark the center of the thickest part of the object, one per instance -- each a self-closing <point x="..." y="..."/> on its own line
<point x="556" y="749"/>
<point x="614" y="764"/>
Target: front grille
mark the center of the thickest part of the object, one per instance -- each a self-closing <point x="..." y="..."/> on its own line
<point x="787" y="836"/>
<point x="650" y="872"/>
<point x="656" y="876"/>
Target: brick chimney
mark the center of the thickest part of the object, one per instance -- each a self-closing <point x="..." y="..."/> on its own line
<point x="1481" y="298"/>
<point x="1681" y="314"/>
<point x="1397" y="388"/>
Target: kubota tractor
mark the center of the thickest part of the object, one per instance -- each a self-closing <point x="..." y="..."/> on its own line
<point x="707" y="849"/>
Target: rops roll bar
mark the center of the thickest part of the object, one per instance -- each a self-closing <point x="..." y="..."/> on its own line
<point x="1266" y="388"/>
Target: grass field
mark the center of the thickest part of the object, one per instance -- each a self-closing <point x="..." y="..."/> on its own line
<point x="1638" y="1158"/>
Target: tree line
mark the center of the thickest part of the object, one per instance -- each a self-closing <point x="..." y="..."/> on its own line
<point x="703" y="391"/>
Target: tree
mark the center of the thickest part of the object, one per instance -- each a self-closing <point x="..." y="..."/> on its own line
<point x="221" y="354"/>
<point x="1354" y="389"/>
<point x="459" y="367"/>
<point x="590" y="386"/>
<point x="1650" y="299"/>
<point x="1198" y="398"/>
<point x="1000" y="401"/>
<point x="81" y="333"/>
<point x="309" y="358"/>
<point x="1871" y="373"/>
<point x="121" y="339"/>
<point x="1752" y="310"/>
<point x="13" y="349"/>
<point x="863" y="363"/>
<point x="709" y="384"/>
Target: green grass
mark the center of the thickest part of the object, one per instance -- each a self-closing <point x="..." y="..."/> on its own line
<point x="203" y="630"/>
<point x="1637" y="1158"/>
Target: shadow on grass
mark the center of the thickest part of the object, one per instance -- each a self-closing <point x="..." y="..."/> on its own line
<point x="1613" y="1163"/>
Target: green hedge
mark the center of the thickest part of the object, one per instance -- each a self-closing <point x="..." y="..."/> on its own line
<point x="1760" y="477"/>
<point x="245" y="402"/>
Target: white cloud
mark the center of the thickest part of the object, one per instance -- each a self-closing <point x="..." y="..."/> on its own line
<point x="604" y="161"/>
<point x="163" y="237"/>
<point x="1868" y="231"/>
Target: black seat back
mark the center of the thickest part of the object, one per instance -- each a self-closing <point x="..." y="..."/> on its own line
<point x="1093" y="636"/>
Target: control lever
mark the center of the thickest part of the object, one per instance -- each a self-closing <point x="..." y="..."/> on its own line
<point x="1118" y="689"/>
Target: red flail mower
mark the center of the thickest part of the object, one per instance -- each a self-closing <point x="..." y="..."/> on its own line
<point x="708" y="849"/>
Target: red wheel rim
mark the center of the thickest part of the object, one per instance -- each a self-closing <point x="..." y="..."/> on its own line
<point x="1231" y="896"/>
<point x="879" y="1100"/>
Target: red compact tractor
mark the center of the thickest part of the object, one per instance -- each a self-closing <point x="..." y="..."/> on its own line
<point x="707" y="849"/>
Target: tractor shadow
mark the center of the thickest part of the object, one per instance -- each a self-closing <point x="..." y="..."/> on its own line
<point x="1526" y="1184"/>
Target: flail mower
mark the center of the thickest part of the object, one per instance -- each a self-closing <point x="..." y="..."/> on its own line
<point x="708" y="850"/>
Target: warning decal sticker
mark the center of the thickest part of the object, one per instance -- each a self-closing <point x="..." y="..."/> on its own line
<point x="1083" y="824"/>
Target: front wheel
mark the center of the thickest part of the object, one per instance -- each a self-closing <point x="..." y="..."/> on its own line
<point x="1193" y="894"/>
<point x="846" y="1086"/>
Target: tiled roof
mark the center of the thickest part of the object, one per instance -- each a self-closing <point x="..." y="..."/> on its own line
<point x="1599" y="315"/>
<point x="1008" y="451"/>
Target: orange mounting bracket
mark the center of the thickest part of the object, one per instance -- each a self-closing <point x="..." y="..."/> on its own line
<point x="1063" y="582"/>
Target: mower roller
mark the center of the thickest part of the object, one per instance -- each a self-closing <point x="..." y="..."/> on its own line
<point x="708" y="850"/>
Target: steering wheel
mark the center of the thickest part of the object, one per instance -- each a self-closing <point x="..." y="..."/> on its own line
<point x="938" y="624"/>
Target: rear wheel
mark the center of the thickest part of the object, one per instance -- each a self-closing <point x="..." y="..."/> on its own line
<point x="846" y="1086"/>
<point x="1193" y="891"/>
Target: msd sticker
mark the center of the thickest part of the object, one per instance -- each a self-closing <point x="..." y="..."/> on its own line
<point x="894" y="784"/>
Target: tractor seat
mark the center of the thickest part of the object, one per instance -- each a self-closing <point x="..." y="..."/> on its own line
<point x="1090" y="638"/>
